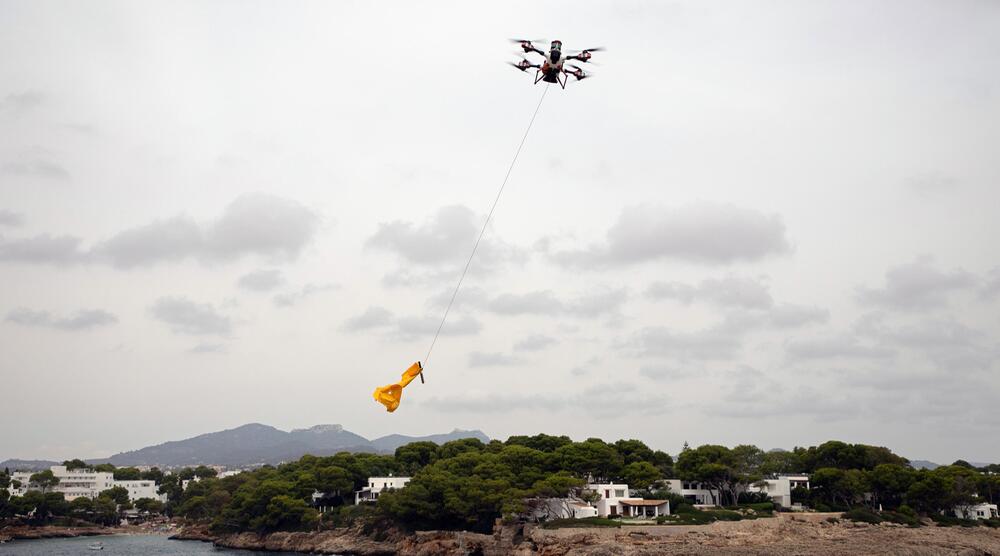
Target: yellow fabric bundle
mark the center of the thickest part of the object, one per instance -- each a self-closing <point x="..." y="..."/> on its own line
<point x="390" y="394"/>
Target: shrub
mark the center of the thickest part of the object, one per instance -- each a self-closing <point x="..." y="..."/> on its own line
<point x="906" y="510"/>
<point x="901" y="518"/>
<point x="584" y="522"/>
<point x="951" y="521"/>
<point x="832" y="519"/>
<point x="863" y="515"/>
<point x="724" y="515"/>
<point x="994" y="523"/>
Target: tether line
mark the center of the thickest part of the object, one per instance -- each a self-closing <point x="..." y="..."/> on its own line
<point x="482" y="232"/>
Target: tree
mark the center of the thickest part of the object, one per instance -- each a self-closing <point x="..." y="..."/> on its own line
<point x="203" y="472"/>
<point x="284" y="512"/>
<point x="781" y="461"/>
<point x="889" y="484"/>
<point x="44" y="480"/>
<point x="149" y="505"/>
<point x="415" y="455"/>
<point x="641" y="474"/>
<point x="127" y="474"/>
<point x="592" y="458"/>
<point x="81" y="507"/>
<point x="716" y="467"/>
<point x="118" y="494"/>
<point x="104" y="468"/>
<point x="540" y="442"/>
<point x="154" y="474"/>
<point x="74" y="464"/>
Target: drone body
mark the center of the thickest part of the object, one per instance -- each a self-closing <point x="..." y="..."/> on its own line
<point x="553" y="68"/>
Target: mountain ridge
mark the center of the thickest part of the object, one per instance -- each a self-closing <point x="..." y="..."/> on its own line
<point x="256" y="444"/>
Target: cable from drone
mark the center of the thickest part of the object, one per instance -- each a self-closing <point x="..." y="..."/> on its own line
<point x="482" y="232"/>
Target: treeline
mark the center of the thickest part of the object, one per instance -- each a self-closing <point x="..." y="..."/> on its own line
<point x="466" y="484"/>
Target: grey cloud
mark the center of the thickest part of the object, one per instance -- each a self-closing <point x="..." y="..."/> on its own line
<point x="592" y="304"/>
<point x="263" y="225"/>
<point x="36" y="167"/>
<point x="932" y="182"/>
<point x="789" y="316"/>
<point x="373" y="317"/>
<point x="162" y="240"/>
<point x="704" y="233"/>
<point x="719" y="342"/>
<point x="950" y="345"/>
<point x="261" y="280"/>
<point x="308" y="290"/>
<point x="731" y="291"/>
<point x="600" y="400"/>
<point x="535" y="342"/>
<point x="992" y="286"/>
<point x="81" y="320"/>
<point x="18" y="102"/>
<point x="447" y="237"/>
<point x="917" y="286"/>
<point x="412" y="328"/>
<point x="254" y="224"/>
<point x="42" y="249"/>
<point x="495" y="359"/>
<point x="531" y="303"/>
<point x="208" y="348"/>
<point x="409" y="328"/>
<point x="844" y="347"/>
<point x="663" y="372"/>
<point x="184" y="316"/>
<point x="11" y="219"/>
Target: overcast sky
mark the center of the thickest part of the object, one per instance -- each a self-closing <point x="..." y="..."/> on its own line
<point x="770" y="222"/>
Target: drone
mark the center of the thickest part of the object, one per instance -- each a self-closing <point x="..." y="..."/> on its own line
<point x="553" y="68"/>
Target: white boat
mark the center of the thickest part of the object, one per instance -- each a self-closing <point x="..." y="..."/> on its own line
<point x="95" y="546"/>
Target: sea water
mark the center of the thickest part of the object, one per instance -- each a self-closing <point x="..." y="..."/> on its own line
<point x="119" y="545"/>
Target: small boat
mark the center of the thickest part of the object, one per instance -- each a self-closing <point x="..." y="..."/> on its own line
<point x="95" y="546"/>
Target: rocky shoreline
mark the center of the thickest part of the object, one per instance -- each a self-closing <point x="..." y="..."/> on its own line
<point x="781" y="535"/>
<point x="24" y="532"/>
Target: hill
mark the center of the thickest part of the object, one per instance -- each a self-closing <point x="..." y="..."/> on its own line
<point x="255" y="444"/>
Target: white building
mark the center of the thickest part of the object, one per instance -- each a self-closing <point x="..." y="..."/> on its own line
<point x="694" y="492"/>
<point x="780" y="488"/>
<point x="979" y="511"/>
<point x="87" y="483"/>
<point x="141" y="489"/>
<point x="611" y="495"/>
<point x="545" y="509"/>
<point x="375" y="487"/>
<point x="614" y="500"/>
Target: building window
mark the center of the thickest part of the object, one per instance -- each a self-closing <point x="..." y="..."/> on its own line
<point x="619" y="493"/>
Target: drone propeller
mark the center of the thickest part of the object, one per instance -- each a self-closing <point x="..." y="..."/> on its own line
<point x="578" y="73"/>
<point x="526" y="40"/>
<point x="523" y="65"/>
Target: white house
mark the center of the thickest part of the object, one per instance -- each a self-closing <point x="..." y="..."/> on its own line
<point x="611" y="495"/>
<point x="979" y="511"/>
<point x="376" y="485"/>
<point x="638" y="507"/>
<point x="87" y="483"/>
<point x="780" y="487"/>
<point x="141" y="489"/>
<point x="560" y="508"/>
<point x="614" y="500"/>
<point x="696" y="493"/>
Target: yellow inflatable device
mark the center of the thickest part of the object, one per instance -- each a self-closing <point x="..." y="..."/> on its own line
<point x="390" y="394"/>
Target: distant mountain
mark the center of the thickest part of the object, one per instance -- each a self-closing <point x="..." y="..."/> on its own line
<point x="256" y="444"/>
<point x="923" y="464"/>
<point x="391" y="442"/>
<point x="27" y="464"/>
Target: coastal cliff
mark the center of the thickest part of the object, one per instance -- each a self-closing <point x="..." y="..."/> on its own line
<point x="782" y="535"/>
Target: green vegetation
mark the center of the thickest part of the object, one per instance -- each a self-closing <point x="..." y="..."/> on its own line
<point x="585" y="522"/>
<point x="468" y="485"/>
